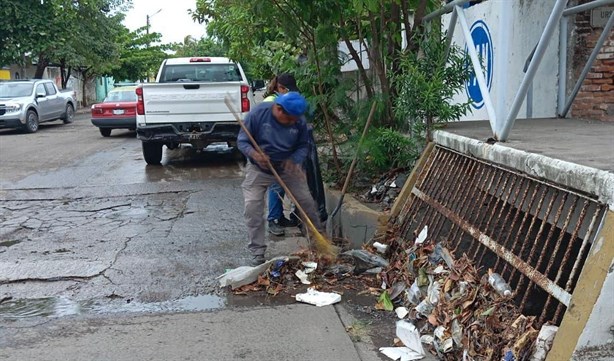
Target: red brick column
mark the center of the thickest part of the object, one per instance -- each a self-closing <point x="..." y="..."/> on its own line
<point x="596" y="97"/>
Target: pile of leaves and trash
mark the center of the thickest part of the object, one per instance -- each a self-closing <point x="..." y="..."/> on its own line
<point x="321" y="281"/>
<point x="443" y="306"/>
<point x="386" y="189"/>
<point x="452" y="310"/>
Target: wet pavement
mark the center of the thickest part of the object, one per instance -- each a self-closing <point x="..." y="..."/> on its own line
<point x="103" y="225"/>
<point x="88" y="230"/>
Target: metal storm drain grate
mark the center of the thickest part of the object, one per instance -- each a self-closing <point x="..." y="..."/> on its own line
<point x="535" y="234"/>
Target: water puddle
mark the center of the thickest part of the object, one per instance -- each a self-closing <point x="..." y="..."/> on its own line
<point x="39" y="307"/>
<point x="55" y="307"/>
<point x="8" y="243"/>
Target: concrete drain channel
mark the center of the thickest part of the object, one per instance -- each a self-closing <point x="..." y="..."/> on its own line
<point x="536" y="234"/>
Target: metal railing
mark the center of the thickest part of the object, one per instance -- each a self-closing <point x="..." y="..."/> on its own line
<point x="502" y="125"/>
<point x="536" y="234"/>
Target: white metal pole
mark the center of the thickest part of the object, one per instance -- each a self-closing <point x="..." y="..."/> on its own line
<point x="502" y="133"/>
<point x="450" y="33"/>
<point x="562" y="65"/>
<point x="477" y="68"/>
<point x="502" y="59"/>
<point x="445" y="9"/>
<point x="587" y="6"/>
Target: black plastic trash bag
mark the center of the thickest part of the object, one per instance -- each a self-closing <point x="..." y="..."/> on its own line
<point x="314" y="178"/>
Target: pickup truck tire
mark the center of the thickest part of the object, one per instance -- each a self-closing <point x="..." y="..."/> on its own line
<point x="105" y="132"/>
<point x="31" y="125"/>
<point x="69" y="114"/>
<point x="152" y="152"/>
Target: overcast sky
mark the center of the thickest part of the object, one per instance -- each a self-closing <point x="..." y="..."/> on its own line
<point x="173" y="22"/>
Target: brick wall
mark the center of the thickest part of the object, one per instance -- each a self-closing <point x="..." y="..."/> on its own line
<point x="596" y="97"/>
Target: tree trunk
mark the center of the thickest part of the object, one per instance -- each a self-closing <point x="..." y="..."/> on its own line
<point x="63" y="74"/>
<point x="85" y="79"/>
<point x="429" y="129"/>
<point x="41" y="66"/>
<point x="405" y="17"/>
<point x="394" y="49"/>
<point x="420" y="13"/>
<point x="357" y="58"/>
<point x="324" y="106"/>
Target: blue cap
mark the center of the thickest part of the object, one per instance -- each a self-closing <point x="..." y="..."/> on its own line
<point x="293" y="103"/>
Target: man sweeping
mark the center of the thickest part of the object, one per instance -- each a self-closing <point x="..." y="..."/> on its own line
<point x="281" y="132"/>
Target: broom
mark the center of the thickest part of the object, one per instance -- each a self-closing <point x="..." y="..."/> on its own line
<point x="323" y="245"/>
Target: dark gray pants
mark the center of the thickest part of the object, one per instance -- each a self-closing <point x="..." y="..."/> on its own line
<point x="254" y="189"/>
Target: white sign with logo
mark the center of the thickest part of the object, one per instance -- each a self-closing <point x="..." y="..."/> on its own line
<point x="505" y="33"/>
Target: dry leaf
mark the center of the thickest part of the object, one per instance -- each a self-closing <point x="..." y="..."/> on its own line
<point x="447" y="287"/>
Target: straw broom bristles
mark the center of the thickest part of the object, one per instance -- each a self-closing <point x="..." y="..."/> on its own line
<point x="322" y="244"/>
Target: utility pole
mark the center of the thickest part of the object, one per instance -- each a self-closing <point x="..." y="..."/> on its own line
<point x="149" y="16"/>
<point x="147" y="31"/>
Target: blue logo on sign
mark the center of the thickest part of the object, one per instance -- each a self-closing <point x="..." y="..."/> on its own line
<point x="483" y="46"/>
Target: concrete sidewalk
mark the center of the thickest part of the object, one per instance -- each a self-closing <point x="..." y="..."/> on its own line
<point x="291" y="332"/>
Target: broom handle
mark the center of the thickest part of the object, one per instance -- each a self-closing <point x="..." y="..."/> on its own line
<point x="312" y="227"/>
<point x="353" y="164"/>
<point x="362" y="137"/>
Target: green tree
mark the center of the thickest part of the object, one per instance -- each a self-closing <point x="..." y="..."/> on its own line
<point x="427" y="84"/>
<point x="33" y="27"/>
<point x="140" y="55"/>
<point x="271" y="35"/>
<point x="206" y="46"/>
<point x="63" y="31"/>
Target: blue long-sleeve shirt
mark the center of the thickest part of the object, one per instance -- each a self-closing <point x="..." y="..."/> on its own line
<point x="279" y="142"/>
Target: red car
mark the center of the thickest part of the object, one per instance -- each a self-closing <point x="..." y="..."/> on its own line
<point x="117" y="111"/>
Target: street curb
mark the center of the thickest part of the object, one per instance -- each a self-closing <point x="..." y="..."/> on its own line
<point x="354" y="222"/>
<point x="365" y="348"/>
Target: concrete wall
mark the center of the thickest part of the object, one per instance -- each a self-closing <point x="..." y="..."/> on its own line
<point x="586" y="331"/>
<point x="505" y="33"/>
<point x="355" y="222"/>
<point x="598" y="335"/>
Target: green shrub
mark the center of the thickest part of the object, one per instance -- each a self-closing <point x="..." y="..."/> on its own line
<point x="384" y="149"/>
<point x="427" y="84"/>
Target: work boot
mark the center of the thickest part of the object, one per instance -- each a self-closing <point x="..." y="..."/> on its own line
<point x="285" y="222"/>
<point x="257" y="260"/>
<point x="275" y="228"/>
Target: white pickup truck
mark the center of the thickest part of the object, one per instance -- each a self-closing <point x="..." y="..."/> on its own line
<point x="186" y="105"/>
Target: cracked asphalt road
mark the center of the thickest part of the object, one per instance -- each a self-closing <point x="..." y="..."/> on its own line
<point x="83" y="217"/>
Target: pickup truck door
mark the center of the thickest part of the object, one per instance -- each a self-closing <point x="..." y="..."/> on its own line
<point x="42" y="101"/>
<point x="55" y="101"/>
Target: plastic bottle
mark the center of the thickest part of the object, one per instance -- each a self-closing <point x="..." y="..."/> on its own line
<point x="498" y="283"/>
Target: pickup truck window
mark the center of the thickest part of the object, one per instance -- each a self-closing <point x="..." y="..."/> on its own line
<point x="200" y="72"/>
<point x="50" y="88"/>
<point x="40" y="88"/>
<point x="12" y="90"/>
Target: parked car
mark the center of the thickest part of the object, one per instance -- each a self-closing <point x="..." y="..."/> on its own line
<point x="24" y="104"/>
<point x="117" y="111"/>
